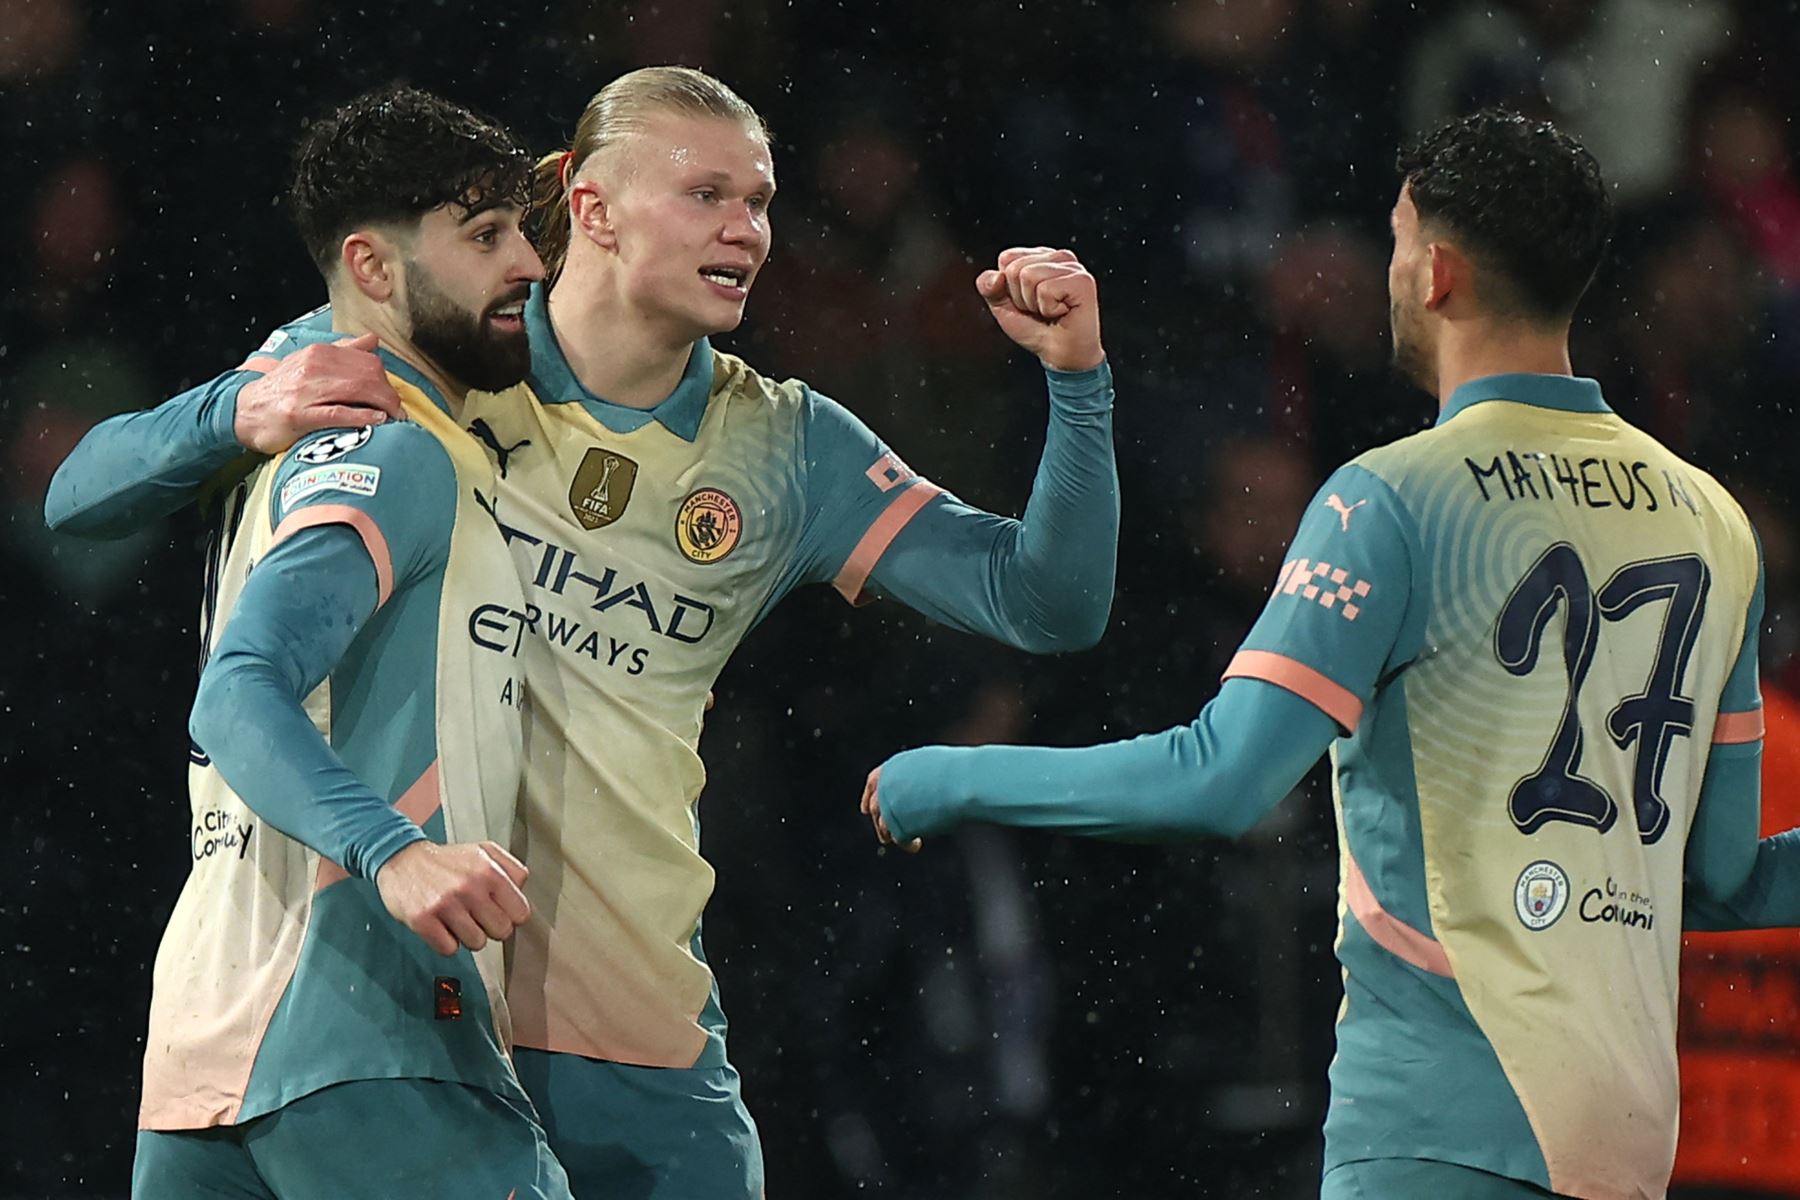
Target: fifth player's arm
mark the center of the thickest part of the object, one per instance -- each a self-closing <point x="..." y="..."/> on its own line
<point x="137" y="467"/>
<point x="1304" y="674"/>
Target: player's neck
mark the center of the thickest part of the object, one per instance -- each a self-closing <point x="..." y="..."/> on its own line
<point x="352" y="319"/>
<point x="1479" y="349"/>
<point x="617" y="353"/>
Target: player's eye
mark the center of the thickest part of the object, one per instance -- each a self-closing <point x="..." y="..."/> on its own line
<point x="706" y="195"/>
<point x="758" y="203"/>
<point x="487" y="236"/>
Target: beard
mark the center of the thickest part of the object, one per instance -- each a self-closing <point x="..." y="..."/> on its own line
<point x="464" y="344"/>
<point x="1412" y="357"/>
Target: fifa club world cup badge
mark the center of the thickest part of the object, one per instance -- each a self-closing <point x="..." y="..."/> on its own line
<point x="708" y="525"/>
<point x="1541" y="894"/>
<point x="601" y="488"/>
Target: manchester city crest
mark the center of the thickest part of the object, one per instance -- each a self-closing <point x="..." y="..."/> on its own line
<point x="708" y="526"/>
<point x="1541" y="894"/>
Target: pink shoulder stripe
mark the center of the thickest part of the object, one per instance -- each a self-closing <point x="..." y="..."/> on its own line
<point x="418" y="802"/>
<point x="357" y="519"/>
<point x="1735" y="728"/>
<point x="1334" y="700"/>
<point x="1395" y="936"/>
<point x="880" y="535"/>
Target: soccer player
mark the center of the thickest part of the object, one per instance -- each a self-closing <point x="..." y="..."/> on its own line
<point x="660" y="497"/>
<point x="327" y="1016"/>
<point x="1529" y="636"/>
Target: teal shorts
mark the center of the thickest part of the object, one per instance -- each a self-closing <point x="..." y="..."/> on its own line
<point x="371" y="1139"/>
<point x="1421" y="1179"/>
<point x="645" y="1133"/>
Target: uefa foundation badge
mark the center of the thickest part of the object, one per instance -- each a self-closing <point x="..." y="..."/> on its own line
<point x="1541" y="894"/>
<point x="708" y="526"/>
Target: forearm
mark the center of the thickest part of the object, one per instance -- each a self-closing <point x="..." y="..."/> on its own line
<point x="298" y="615"/>
<point x="1770" y="899"/>
<point x="1217" y="776"/>
<point x="140" y="466"/>
<point x="251" y="724"/>
<point x="1043" y="582"/>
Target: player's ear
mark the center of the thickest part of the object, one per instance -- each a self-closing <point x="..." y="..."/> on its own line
<point x="591" y="210"/>
<point x="1449" y="271"/>
<point x="369" y="264"/>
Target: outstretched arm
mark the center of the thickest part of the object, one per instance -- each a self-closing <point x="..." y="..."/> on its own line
<point x="1315" y="658"/>
<point x="1214" y="777"/>
<point x="139" y="466"/>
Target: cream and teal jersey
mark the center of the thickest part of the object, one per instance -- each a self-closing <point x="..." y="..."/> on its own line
<point x="649" y="543"/>
<point x="355" y="699"/>
<point x="1535" y="629"/>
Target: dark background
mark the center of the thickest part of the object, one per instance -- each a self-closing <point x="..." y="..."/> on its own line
<point x="1006" y="1015"/>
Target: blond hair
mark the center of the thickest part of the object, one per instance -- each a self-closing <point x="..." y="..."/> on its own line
<point x="618" y="110"/>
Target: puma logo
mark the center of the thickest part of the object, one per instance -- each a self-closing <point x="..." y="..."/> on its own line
<point x="485" y="432"/>
<point x="1332" y="502"/>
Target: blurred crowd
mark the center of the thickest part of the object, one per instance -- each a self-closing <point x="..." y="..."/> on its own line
<point x="1004" y="1015"/>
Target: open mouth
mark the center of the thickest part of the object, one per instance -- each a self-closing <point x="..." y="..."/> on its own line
<point x="508" y="318"/>
<point x="732" y="282"/>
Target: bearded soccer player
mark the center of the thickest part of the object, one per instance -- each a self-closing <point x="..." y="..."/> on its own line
<point x="1529" y="637"/>
<point x="660" y="497"/>
<point x="327" y="1016"/>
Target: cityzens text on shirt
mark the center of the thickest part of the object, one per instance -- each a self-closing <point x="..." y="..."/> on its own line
<point x="1585" y="483"/>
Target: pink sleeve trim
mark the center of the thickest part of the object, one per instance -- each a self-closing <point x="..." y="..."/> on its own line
<point x="1396" y="937"/>
<point x="1332" y="699"/>
<point x="418" y="802"/>
<point x="357" y="519"/>
<point x="1736" y="728"/>
<point x="260" y="363"/>
<point x="881" y="533"/>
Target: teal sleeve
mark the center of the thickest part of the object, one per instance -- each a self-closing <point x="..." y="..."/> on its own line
<point x="397" y="475"/>
<point x="1347" y="608"/>
<point x="300" y="610"/>
<point x="1769" y="898"/>
<point x="137" y="467"/>
<point x="1721" y="846"/>
<point x="1043" y="582"/>
<point x="1217" y="776"/>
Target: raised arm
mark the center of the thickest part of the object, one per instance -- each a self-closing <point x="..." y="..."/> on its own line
<point x="139" y="466"/>
<point x="1042" y="582"/>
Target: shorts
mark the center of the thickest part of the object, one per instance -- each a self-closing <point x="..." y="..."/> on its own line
<point x="645" y="1133"/>
<point x="368" y="1139"/>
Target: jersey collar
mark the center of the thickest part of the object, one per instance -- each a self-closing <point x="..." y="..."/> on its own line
<point x="398" y="366"/>
<point x="1562" y="392"/>
<point x="555" y="383"/>
<point x="315" y="327"/>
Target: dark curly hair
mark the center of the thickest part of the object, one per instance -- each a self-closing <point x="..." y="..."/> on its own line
<point x="392" y="155"/>
<point x="1525" y="199"/>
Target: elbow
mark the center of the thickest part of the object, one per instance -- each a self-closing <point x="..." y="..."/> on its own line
<point x="1079" y="626"/>
<point x="60" y="511"/>
<point x="206" y="720"/>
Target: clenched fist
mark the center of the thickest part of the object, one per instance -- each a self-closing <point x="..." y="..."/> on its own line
<point x="1046" y="301"/>
<point x="331" y="385"/>
<point x="463" y="893"/>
